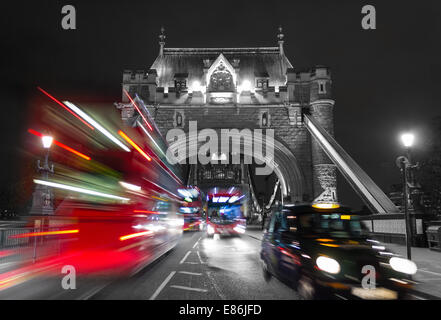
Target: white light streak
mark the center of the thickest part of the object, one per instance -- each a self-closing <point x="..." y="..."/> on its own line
<point x="86" y="117"/>
<point x="77" y="189"/>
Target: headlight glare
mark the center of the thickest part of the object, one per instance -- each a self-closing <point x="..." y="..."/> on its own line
<point x="328" y="264"/>
<point x="403" y="265"/>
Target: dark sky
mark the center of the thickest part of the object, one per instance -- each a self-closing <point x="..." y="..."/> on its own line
<point x="384" y="81"/>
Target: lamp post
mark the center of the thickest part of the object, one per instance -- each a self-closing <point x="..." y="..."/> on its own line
<point x="46" y="202"/>
<point x="47" y="142"/>
<point x="407" y="139"/>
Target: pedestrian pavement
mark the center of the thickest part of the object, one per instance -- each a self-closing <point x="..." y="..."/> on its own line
<point x="428" y="262"/>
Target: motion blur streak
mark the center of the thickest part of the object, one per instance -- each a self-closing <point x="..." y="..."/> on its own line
<point x="135" y="235"/>
<point x="96" y="125"/>
<point x="134" y="145"/>
<point x="81" y="190"/>
<point x="38" y="134"/>
<point x="151" y="138"/>
<point x="137" y="109"/>
<point x="130" y="186"/>
<point x="146" y="211"/>
<point x="92" y="204"/>
<point x="46" y="233"/>
<point x="61" y="104"/>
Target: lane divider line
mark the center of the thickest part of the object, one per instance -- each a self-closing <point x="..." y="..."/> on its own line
<point x="93" y="292"/>
<point x="185" y="257"/>
<point x="189" y="288"/>
<point x="199" y="256"/>
<point x="190" y="273"/>
<point x="163" y="284"/>
<point x="438" y="274"/>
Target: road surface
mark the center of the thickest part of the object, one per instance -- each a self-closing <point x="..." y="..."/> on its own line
<point x="198" y="268"/>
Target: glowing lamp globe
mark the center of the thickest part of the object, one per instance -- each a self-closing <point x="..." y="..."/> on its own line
<point x="246" y="85"/>
<point x="47" y="141"/>
<point x="196" y="86"/>
<point x="407" y="139"/>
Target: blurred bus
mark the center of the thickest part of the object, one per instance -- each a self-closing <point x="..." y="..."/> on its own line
<point x="225" y="213"/>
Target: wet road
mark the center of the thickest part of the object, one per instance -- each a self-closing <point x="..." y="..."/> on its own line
<point x="204" y="269"/>
<point x="198" y="268"/>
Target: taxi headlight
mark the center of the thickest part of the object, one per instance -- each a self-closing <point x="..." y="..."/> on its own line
<point x="328" y="264"/>
<point x="210" y="229"/>
<point x="403" y="265"/>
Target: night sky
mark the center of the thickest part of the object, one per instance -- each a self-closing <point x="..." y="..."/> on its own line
<point x="384" y="81"/>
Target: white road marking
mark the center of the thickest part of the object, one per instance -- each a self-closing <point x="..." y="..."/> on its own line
<point x="438" y="274"/>
<point x="92" y="292"/>
<point x="163" y="284"/>
<point x="199" y="256"/>
<point x="192" y="262"/>
<point x="191" y="273"/>
<point x="417" y="297"/>
<point x="341" y="297"/>
<point x="185" y="257"/>
<point x="189" y="288"/>
<point x="216" y="288"/>
<point x="195" y="244"/>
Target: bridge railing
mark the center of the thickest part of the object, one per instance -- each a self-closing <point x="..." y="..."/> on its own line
<point x="391" y="228"/>
<point x="17" y="249"/>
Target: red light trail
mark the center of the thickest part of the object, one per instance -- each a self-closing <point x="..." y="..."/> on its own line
<point x="45" y="233"/>
<point x="137" y="109"/>
<point x="134" y="235"/>
<point x="61" y="104"/>
<point x="145" y="211"/>
<point x="38" y="134"/>
<point x="134" y="145"/>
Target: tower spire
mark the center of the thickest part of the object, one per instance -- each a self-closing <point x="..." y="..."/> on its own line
<point x="161" y="41"/>
<point x="280" y="37"/>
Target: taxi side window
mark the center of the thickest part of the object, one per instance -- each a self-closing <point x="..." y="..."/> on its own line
<point x="272" y="223"/>
<point x="280" y="223"/>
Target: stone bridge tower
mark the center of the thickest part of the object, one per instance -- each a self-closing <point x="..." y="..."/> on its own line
<point x="243" y="88"/>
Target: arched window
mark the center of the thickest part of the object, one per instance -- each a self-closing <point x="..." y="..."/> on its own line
<point x="265" y="119"/>
<point x="221" y="80"/>
<point x="179" y="119"/>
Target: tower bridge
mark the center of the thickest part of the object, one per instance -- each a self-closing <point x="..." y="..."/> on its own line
<point x="254" y="88"/>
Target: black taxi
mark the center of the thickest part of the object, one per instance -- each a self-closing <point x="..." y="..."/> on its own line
<point x="323" y="251"/>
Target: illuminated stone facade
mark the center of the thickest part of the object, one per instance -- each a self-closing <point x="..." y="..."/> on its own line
<point x="243" y="88"/>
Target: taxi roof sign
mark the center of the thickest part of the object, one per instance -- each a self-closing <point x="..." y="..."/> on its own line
<point x="326" y="205"/>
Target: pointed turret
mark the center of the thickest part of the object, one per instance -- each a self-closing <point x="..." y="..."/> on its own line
<point x="161" y="41"/>
<point x="280" y="37"/>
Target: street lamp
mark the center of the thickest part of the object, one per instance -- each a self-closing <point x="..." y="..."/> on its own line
<point x="47" y="141"/>
<point x="45" y="194"/>
<point x="404" y="163"/>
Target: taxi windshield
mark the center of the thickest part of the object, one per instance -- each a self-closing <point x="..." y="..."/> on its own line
<point x="332" y="224"/>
